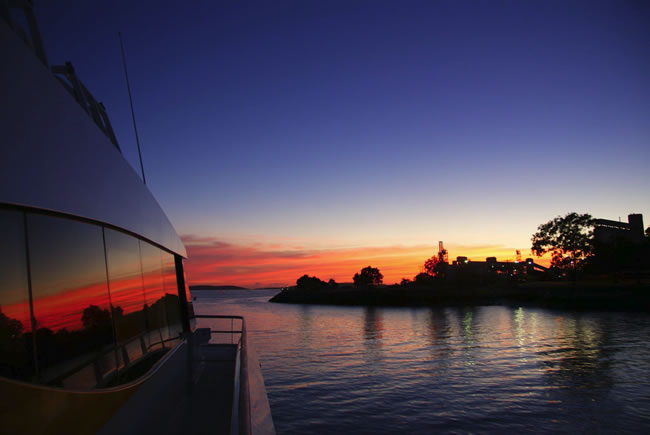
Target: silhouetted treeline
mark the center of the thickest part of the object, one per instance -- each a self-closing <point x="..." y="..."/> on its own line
<point x="307" y="282"/>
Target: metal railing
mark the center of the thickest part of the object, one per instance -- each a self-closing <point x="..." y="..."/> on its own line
<point x="243" y="401"/>
<point x="95" y="359"/>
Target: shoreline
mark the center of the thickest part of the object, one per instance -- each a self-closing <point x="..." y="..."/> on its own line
<point x="598" y="296"/>
<point x="228" y="287"/>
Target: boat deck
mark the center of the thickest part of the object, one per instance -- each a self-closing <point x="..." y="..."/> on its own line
<point x="191" y="393"/>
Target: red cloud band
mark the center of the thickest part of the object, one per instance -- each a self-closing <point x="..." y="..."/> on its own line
<point x="213" y="261"/>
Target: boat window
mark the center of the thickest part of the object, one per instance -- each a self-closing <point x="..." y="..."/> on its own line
<point x="154" y="289"/>
<point x="74" y="332"/>
<point x="127" y="296"/>
<point x="185" y="290"/>
<point x="172" y="301"/>
<point x="16" y="348"/>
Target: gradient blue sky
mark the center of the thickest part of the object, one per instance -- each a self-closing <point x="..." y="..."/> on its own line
<point x="351" y="124"/>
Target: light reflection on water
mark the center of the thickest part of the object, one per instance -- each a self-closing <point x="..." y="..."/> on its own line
<point x="475" y="369"/>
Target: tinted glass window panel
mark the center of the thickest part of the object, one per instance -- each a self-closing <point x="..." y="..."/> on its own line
<point x="74" y="332"/>
<point x="16" y="357"/>
<point x="154" y="291"/>
<point x="172" y="302"/>
<point x="127" y="294"/>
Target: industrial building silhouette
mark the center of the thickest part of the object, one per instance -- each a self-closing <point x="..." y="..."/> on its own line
<point x="608" y="231"/>
<point x="614" y="242"/>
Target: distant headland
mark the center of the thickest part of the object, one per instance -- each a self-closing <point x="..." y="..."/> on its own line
<point x="228" y="287"/>
<point x="216" y="287"/>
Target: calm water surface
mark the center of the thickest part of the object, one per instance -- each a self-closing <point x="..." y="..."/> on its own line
<point x="420" y="370"/>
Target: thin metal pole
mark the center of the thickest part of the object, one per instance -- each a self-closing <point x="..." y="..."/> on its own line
<point x="32" y="319"/>
<point x="110" y="304"/>
<point x="128" y="87"/>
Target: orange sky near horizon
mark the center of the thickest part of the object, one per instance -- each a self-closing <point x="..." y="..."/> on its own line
<point x="215" y="262"/>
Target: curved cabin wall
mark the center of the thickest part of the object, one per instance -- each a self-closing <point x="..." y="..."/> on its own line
<point x="91" y="264"/>
<point x="43" y="410"/>
<point x="85" y="310"/>
<point x="34" y="410"/>
<point x="56" y="158"/>
<point x="91" y="276"/>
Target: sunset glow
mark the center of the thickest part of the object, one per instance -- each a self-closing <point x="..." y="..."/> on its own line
<point x="212" y="261"/>
<point x="294" y="149"/>
<point x="323" y="217"/>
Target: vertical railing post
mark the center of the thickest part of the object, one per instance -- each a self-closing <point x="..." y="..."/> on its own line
<point x="244" y="394"/>
<point x="98" y="372"/>
<point x="125" y="356"/>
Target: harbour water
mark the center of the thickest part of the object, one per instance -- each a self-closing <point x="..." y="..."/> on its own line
<point x="352" y="370"/>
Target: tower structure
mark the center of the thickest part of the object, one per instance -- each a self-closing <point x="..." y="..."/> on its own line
<point x="443" y="256"/>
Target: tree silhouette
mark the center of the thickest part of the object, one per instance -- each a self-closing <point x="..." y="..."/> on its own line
<point x="14" y="347"/>
<point x="10" y="328"/>
<point x="117" y="311"/>
<point x="424" y="279"/>
<point x="569" y="239"/>
<point x="435" y="266"/>
<point x="368" y="276"/>
<point x="307" y="282"/>
<point x="94" y="317"/>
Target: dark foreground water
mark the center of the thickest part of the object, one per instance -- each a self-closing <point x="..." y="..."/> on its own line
<point x="359" y="370"/>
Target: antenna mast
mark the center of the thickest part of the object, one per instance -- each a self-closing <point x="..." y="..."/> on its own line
<point x="442" y="253"/>
<point x="135" y="127"/>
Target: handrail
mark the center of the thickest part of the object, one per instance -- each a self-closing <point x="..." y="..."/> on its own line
<point x="94" y="358"/>
<point x="100" y="391"/>
<point x="244" y="390"/>
<point x="216" y="316"/>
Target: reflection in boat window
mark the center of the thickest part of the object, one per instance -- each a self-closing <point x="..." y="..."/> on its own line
<point x="154" y="291"/>
<point x="70" y="300"/>
<point x="127" y="295"/>
<point x="104" y="304"/>
<point x="172" y="303"/>
<point x="16" y="356"/>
